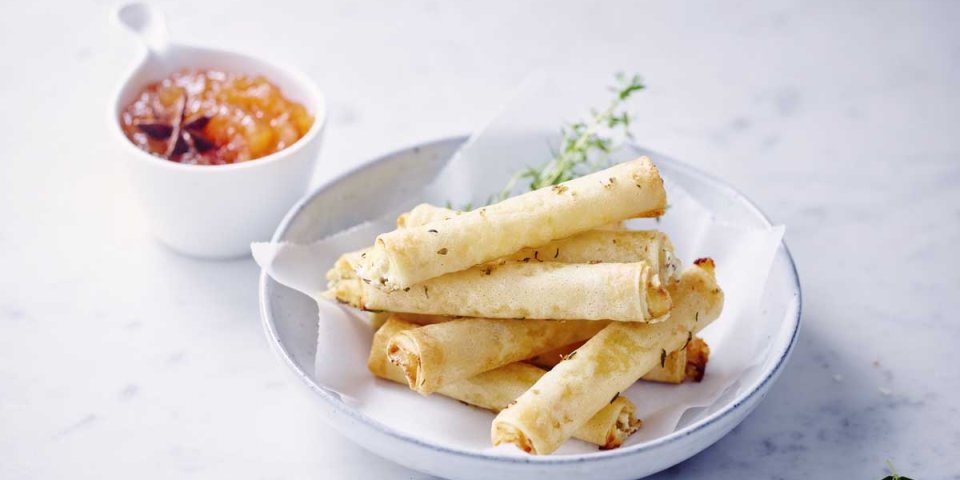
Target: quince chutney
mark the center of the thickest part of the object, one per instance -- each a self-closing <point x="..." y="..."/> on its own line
<point x="213" y="118"/>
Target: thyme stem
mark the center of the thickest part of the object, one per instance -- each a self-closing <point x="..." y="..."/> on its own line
<point x="585" y="146"/>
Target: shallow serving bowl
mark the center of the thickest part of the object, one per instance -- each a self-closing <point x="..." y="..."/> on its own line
<point x="290" y="318"/>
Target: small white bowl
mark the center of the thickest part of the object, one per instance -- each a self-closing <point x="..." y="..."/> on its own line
<point x="213" y="211"/>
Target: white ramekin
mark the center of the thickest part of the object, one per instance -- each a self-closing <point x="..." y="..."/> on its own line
<point x="213" y="211"/>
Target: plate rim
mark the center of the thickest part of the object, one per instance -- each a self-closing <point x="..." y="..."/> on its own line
<point x="338" y="405"/>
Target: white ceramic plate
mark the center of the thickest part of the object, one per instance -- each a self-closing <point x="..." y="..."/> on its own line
<point x="290" y="322"/>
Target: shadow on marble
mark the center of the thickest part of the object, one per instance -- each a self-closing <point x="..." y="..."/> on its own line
<point x="826" y="412"/>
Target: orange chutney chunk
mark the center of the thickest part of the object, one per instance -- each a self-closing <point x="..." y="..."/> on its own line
<point x="213" y="118"/>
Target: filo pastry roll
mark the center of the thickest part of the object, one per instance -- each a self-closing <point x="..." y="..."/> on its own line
<point x="595" y="246"/>
<point x="686" y="364"/>
<point x="443" y="353"/>
<point x="610" y="246"/>
<point x="495" y="389"/>
<point x="607" y="364"/>
<point x="630" y="292"/>
<point x="426" y="213"/>
<point x="407" y="256"/>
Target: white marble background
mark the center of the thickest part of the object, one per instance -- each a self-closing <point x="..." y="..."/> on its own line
<point x="120" y="359"/>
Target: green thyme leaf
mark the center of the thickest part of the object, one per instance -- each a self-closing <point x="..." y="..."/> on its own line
<point x="893" y="473"/>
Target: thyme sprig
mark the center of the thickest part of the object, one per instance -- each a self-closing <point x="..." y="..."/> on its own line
<point x="585" y="146"/>
<point x="893" y="473"/>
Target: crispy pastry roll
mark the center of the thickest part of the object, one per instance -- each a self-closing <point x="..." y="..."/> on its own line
<point x="686" y="364"/>
<point x="443" y="353"/>
<point x="495" y="389"/>
<point x="596" y="246"/>
<point x="425" y="213"/>
<point x="607" y="364"/>
<point x="610" y="246"/>
<point x="630" y="292"/>
<point x="407" y="256"/>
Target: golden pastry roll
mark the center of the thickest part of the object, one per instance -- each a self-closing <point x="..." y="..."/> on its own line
<point x="408" y="256"/>
<point x="606" y="365"/>
<point x="425" y="213"/>
<point x="495" y="389"/>
<point x="609" y="246"/>
<point x="595" y="246"/>
<point x="682" y="365"/>
<point x="630" y="292"/>
<point x="444" y="353"/>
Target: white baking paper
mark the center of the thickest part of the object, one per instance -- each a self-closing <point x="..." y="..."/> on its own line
<point x="523" y="135"/>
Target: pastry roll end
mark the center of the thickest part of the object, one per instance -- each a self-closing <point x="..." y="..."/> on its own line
<point x="504" y="433"/>
<point x="404" y="353"/>
<point x="658" y="298"/>
<point x="658" y="301"/>
<point x="617" y="421"/>
<point x="698" y="354"/>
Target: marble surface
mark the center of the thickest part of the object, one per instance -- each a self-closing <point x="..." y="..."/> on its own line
<point x="121" y="359"/>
